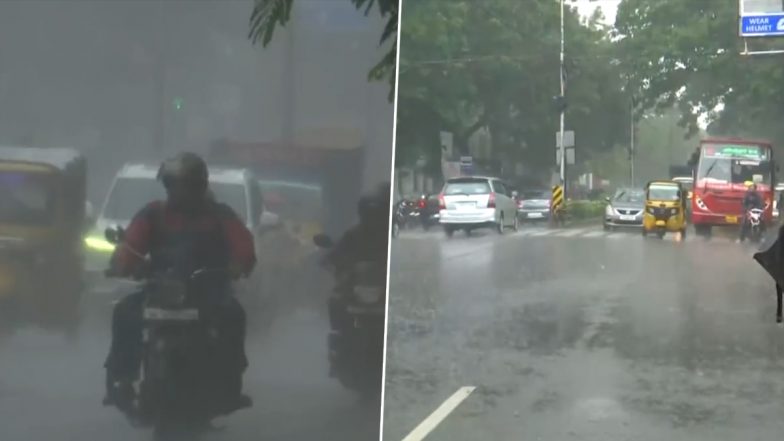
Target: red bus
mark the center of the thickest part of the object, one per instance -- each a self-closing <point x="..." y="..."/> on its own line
<point x="725" y="166"/>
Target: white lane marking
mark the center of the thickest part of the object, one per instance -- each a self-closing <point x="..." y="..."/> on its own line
<point x="431" y="422"/>
<point x="595" y="234"/>
<point x="570" y="233"/>
<point x="525" y="232"/>
<point x="617" y="236"/>
<point x="541" y="233"/>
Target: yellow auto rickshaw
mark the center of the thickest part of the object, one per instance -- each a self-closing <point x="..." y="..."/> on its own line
<point x="42" y="219"/>
<point x="665" y="208"/>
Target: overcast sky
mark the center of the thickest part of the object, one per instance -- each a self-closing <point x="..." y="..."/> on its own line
<point x="608" y="7"/>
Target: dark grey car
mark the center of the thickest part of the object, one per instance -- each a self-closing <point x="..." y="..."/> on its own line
<point x="625" y="209"/>
<point x="533" y="205"/>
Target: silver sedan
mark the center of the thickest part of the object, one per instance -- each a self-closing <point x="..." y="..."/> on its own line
<point x="625" y="209"/>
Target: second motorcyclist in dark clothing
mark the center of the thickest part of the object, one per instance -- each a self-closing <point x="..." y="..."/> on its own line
<point x="751" y="199"/>
<point x="187" y="232"/>
<point x="367" y="241"/>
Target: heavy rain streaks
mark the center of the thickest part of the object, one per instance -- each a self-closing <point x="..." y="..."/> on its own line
<point x="125" y="84"/>
<point x="580" y="336"/>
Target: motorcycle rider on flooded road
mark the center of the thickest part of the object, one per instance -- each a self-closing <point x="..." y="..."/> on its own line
<point x="214" y="238"/>
<point x="751" y="199"/>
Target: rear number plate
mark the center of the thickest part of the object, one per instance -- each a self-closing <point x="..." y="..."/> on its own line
<point x="731" y="219"/>
<point x="155" y="314"/>
<point x="535" y="215"/>
<point x="465" y="205"/>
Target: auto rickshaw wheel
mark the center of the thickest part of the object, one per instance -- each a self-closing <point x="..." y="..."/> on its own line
<point x="660" y="233"/>
<point x="644" y="232"/>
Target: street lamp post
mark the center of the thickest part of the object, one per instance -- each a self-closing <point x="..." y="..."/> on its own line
<point x="562" y="109"/>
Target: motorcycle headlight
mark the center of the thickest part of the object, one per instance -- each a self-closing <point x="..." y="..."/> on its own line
<point x="98" y="243"/>
<point x="368" y="294"/>
<point x="673" y="211"/>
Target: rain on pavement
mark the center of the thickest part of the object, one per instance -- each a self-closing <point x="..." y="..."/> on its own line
<point x="52" y="384"/>
<point x="573" y="334"/>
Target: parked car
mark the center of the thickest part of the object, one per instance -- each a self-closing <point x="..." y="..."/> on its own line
<point x="468" y="203"/>
<point x="534" y="205"/>
<point x="625" y="209"/>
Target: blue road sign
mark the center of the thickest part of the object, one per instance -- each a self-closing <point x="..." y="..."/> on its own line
<point x="762" y="25"/>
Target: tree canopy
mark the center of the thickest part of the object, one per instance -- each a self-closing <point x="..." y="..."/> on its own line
<point x="467" y="65"/>
<point x="267" y="15"/>
<point x="686" y="53"/>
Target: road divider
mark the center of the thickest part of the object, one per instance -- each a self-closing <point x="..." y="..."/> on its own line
<point x="434" y="419"/>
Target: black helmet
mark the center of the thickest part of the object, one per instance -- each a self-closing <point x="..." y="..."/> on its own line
<point x="187" y="168"/>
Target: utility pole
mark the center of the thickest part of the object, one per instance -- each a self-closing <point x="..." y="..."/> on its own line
<point x="631" y="141"/>
<point x="562" y="109"/>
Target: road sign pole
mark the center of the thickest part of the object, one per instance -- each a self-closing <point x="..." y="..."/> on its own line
<point x="563" y="144"/>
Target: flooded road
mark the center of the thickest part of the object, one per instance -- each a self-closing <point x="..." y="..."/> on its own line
<point x="51" y="387"/>
<point x="581" y="334"/>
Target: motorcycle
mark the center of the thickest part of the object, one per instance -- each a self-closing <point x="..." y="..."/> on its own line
<point x="428" y="211"/>
<point x="178" y="393"/>
<point x="357" y="313"/>
<point x="400" y="217"/>
<point x="756" y="228"/>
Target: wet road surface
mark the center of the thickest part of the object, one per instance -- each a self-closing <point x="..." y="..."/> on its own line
<point x="581" y="334"/>
<point x="51" y="387"/>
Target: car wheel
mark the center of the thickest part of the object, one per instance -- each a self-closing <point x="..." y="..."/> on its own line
<point x="500" y="225"/>
<point x="449" y="230"/>
<point x="606" y="227"/>
<point x="516" y="224"/>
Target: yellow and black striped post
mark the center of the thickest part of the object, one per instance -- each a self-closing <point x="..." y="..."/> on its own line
<point x="557" y="205"/>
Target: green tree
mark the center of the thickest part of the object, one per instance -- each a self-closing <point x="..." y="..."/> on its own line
<point x="267" y="15"/>
<point x="685" y="53"/>
<point x="465" y="65"/>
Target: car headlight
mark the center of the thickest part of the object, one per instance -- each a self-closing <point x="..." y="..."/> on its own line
<point x="608" y="210"/>
<point x="368" y="294"/>
<point x="98" y="243"/>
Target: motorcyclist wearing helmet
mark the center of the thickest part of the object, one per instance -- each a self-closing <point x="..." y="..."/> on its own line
<point x="189" y="231"/>
<point x="369" y="238"/>
<point x="367" y="241"/>
<point x="751" y="199"/>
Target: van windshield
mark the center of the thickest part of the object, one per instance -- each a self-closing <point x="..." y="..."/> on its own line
<point x="129" y="195"/>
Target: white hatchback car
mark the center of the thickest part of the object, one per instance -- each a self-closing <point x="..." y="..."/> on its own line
<point x="467" y="203"/>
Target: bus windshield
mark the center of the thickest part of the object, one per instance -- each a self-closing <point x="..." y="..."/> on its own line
<point x="732" y="164"/>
